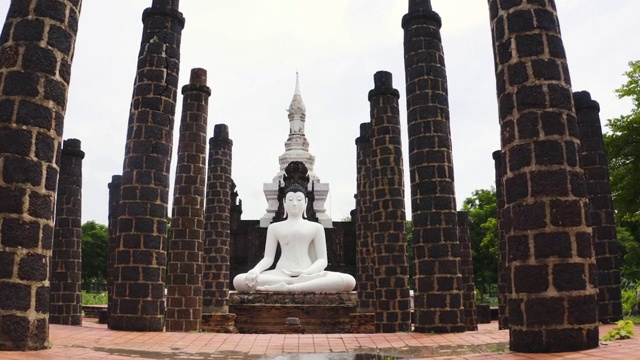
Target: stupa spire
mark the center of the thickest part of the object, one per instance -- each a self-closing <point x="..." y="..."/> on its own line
<point x="297" y="149"/>
<point x="297" y="108"/>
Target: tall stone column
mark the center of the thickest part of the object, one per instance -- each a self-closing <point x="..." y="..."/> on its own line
<point x="139" y="269"/>
<point x="389" y="239"/>
<point x="114" y="208"/>
<point x="438" y="281"/>
<point x="552" y="304"/>
<point x="365" y="261"/>
<point x="466" y="268"/>
<point x="594" y="163"/>
<point x="184" y="279"/>
<point x="66" y="260"/>
<point x="36" y="51"/>
<point x="217" y="223"/>
<point x="504" y="275"/>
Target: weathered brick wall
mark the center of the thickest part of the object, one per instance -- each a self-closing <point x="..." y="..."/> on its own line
<point x="217" y="223"/>
<point x="184" y="273"/>
<point x="140" y="261"/>
<point x="387" y="209"/>
<point x="553" y="305"/>
<point x="438" y="281"/>
<point x="36" y="47"/>
<point x="66" y="259"/>
<point x="365" y="283"/>
<point x="594" y="162"/>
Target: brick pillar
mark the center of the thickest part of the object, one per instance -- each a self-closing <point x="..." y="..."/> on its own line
<point x="184" y="279"/>
<point x="393" y="308"/>
<point x="438" y="282"/>
<point x="365" y="281"/>
<point x="466" y="268"/>
<point x="36" y="48"/>
<point x="139" y="269"/>
<point x="552" y="305"/>
<point x="114" y="208"/>
<point x="217" y="223"/>
<point x="504" y="275"/>
<point x="594" y="163"/>
<point x="66" y="260"/>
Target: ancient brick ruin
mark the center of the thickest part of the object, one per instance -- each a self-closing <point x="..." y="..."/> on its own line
<point x="552" y="304"/>
<point x="594" y="162"/>
<point x="36" y="48"/>
<point x="114" y="210"/>
<point x="504" y="275"/>
<point x="217" y="221"/>
<point x="466" y="270"/>
<point x="389" y="239"/>
<point x="140" y="260"/>
<point x="557" y="240"/>
<point x="438" y="279"/>
<point x="65" y="304"/>
<point x="365" y="281"/>
<point x="184" y="273"/>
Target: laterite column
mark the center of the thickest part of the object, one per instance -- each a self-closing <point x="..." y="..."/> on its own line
<point x="66" y="259"/>
<point x="389" y="239"/>
<point x="365" y="261"/>
<point x="36" y="50"/>
<point x="438" y="281"/>
<point x="466" y="267"/>
<point x="112" y="217"/>
<point x="217" y="223"/>
<point x="139" y="269"/>
<point x="504" y="275"/>
<point x="605" y="240"/>
<point x="552" y="305"/>
<point x="184" y="279"/>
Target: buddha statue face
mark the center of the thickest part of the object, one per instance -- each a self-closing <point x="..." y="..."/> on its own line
<point x="295" y="201"/>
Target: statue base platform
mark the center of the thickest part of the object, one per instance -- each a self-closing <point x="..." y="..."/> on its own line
<point x="304" y="312"/>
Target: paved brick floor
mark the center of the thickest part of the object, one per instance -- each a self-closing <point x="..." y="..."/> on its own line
<point x="95" y="341"/>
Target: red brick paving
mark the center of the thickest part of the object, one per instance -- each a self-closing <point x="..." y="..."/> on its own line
<point x="95" y="341"/>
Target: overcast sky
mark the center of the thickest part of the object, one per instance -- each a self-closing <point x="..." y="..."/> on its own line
<point x="253" y="48"/>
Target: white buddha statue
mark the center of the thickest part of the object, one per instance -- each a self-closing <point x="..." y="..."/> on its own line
<point x="303" y="255"/>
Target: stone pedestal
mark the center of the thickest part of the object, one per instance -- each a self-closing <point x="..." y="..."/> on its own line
<point x="318" y="313"/>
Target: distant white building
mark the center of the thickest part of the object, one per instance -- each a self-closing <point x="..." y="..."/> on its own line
<point x="297" y="149"/>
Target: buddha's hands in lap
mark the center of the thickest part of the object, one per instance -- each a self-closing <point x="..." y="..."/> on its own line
<point x="294" y="272"/>
<point x="251" y="279"/>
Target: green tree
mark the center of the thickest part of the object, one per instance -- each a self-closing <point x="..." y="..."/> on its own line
<point x="95" y="240"/>
<point x="622" y="144"/>
<point x="623" y="150"/>
<point x="483" y="231"/>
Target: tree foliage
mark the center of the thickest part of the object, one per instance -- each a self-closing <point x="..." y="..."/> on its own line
<point x="623" y="150"/>
<point x="483" y="230"/>
<point x="95" y="240"/>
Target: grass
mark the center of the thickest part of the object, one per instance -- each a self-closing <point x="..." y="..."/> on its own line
<point x="94" y="298"/>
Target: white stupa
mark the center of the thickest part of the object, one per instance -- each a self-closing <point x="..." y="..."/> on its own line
<point x="297" y="149"/>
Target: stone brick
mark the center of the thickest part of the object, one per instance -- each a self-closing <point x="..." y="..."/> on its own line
<point x="531" y="278"/>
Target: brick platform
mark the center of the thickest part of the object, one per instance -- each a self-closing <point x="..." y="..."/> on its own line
<point x="319" y="313"/>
